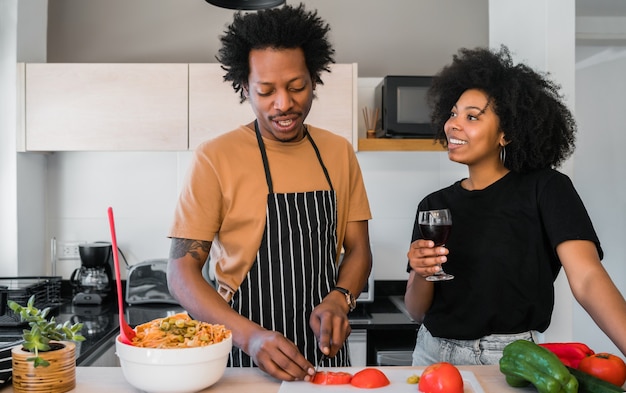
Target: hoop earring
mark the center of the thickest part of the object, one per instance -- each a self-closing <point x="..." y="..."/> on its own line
<point x="503" y="154"/>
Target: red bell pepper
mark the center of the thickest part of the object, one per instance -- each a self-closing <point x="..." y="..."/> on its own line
<point x="569" y="353"/>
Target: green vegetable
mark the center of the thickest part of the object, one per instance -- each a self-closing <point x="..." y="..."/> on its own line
<point x="524" y="362"/>
<point x="587" y="383"/>
<point x="42" y="330"/>
<point x="413" y="379"/>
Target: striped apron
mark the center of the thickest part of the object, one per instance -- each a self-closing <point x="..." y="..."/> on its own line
<point x="294" y="268"/>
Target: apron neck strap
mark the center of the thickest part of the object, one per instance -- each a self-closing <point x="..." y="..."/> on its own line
<point x="266" y="164"/>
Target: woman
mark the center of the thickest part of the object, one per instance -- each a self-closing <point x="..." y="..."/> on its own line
<point x="516" y="220"/>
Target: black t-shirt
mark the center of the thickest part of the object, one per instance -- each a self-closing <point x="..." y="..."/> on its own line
<point x="503" y="253"/>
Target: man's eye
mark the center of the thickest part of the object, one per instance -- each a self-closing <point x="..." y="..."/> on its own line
<point x="297" y="88"/>
<point x="264" y="93"/>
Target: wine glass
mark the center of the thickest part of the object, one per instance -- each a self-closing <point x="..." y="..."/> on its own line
<point x="436" y="225"/>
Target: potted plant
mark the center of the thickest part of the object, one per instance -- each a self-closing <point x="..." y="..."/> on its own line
<point x="46" y="360"/>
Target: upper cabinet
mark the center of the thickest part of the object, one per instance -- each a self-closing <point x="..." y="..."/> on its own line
<point x="152" y="107"/>
<point x="103" y="107"/>
<point x="163" y="107"/>
<point x="214" y="107"/>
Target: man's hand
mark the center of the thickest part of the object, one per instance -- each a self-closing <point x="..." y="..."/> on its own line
<point x="278" y="356"/>
<point x="329" y="322"/>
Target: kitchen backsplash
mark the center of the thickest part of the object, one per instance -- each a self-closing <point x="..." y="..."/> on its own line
<point x="142" y="188"/>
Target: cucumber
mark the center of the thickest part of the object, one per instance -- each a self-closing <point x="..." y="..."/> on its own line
<point x="589" y="384"/>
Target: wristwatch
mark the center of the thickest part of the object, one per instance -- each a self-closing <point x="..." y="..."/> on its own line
<point x="349" y="297"/>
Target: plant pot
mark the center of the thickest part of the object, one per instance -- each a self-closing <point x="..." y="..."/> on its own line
<point x="58" y="377"/>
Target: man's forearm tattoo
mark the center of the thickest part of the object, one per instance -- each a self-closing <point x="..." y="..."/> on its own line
<point x="195" y="248"/>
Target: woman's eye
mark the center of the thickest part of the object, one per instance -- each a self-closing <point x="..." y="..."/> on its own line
<point x="452" y="114"/>
<point x="264" y="93"/>
<point x="296" y="88"/>
<point x="472" y="117"/>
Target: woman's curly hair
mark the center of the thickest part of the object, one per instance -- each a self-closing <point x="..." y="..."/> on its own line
<point x="539" y="127"/>
<point x="279" y="28"/>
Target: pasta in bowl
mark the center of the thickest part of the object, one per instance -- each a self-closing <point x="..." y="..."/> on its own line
<point x="175" y="354"/>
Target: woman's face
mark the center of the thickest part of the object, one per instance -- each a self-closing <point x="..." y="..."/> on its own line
<point x="473" y="130"/>
<point x="280" y="91"/>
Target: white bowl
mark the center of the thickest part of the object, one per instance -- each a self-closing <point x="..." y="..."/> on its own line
<point x="176" y="370"/>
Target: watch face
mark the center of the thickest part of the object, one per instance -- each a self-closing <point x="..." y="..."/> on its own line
<point x="351" y="301"/>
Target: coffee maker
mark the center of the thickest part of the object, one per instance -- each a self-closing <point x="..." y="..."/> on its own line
<point x="93" y="281"/>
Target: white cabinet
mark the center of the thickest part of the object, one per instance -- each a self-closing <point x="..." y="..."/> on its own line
<point x="214" y="106"/>
<point x="152" y="107"/>
<point x="100" y="107"/>
<point x="357" y="343"/>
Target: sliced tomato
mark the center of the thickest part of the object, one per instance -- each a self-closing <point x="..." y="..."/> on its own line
<point x="369" y="378"/>
<point x="441" y="377"/>
<point x="332" y="378"/>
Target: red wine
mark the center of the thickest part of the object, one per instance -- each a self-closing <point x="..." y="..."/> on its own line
<point x="437" y="233"/>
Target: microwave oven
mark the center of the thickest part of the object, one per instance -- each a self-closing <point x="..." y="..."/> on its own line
<point x="405" y="112"/>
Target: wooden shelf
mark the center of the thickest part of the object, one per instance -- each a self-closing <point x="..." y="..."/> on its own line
<point x="386" y="144"/>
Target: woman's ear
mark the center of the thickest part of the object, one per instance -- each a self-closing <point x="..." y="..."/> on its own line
<point x="503" y="141"/>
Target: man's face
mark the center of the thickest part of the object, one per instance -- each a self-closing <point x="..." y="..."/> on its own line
<point x="280" y="91"/>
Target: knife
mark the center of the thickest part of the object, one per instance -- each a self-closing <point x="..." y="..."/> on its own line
<point x="319" y="363"/>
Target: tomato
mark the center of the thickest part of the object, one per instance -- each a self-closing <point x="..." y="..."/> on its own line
<point x="605" y="366"/>
<point x="331" y="378"/>
<point x="441" y="377"/>
<point x="369" y="378"/>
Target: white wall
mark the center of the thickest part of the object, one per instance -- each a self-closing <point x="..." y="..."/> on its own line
<point x="600" y="163"/>
<point x="8" y="163"/>
<point x="549" y="46"/>
<point x="22" y="177"/>
<point x="142" y="189"/>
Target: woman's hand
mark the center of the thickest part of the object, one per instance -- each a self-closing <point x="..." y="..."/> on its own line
<point x="424" y="257"/>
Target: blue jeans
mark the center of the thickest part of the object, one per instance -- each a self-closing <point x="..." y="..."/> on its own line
<point x="486" y="350"/>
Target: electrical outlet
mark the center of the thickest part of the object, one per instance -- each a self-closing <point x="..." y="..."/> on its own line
<point x="68" y="250"/>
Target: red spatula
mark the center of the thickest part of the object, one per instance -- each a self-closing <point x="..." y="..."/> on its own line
<point x="126" y="332"/>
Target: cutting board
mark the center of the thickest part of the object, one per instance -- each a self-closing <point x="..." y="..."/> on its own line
<point x="397" y="377"/>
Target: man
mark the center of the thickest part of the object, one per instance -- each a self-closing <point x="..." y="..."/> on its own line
<point x="275" y="202"/>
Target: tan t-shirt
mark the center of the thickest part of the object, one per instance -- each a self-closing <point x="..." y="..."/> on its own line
<point x="224" y="197"/>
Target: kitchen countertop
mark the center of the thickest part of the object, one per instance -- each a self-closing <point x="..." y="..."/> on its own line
<point x="101" y="322"/>
<point x="236" y="380"/>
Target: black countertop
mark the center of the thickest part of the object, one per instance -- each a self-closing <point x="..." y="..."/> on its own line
<point x="101" y="322"/>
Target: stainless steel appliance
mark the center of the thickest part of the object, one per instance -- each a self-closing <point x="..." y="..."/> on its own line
<point x="146" y="283"/>
<point x="93" y="281"/>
